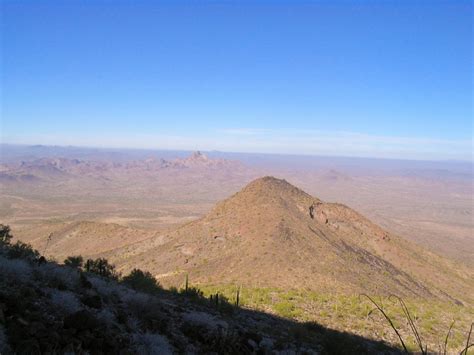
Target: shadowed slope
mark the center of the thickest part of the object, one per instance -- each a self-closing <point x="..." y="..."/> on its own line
<point x="51" y="308"/>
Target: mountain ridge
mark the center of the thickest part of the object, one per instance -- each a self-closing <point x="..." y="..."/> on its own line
<point x="55" y="168"/>
<point x="271" y="224"/>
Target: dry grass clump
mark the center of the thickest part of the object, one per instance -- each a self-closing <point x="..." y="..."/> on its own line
<point x="411" y="321"/>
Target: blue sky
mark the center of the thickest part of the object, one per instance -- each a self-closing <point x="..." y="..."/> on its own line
<point x="357" y="78"/>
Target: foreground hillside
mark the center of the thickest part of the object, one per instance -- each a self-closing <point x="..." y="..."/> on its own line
<point x="49" y="308"/>
<point x="88" y="308"/>
<point x="272" y="234"/>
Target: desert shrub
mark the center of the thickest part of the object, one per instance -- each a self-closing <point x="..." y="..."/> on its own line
<point x="132" y="323"/>
<point x="228" y="342"/>
<point x="342" y="343"/>
<point x="4" y="348"/>
<point x="222" y="303"/>
<point x="107" y="289"/>
<point x="107" y="317"/>
<point x="15" y="270"/>
<point x="138" y="303"/>
<point x="141" y="308"/>
<point x="212" y="332"/>
<point x="149" y="343"/>
<point x="5" y="235"/>
<point x="102" y="268"/>
<point x="306" y="331"/>
<point x="141" y="281"/>
<point x="74" y="261"/>
<point x="65" y="300"/>
<point x="193" y="292"/>
<point x="226" y="307"/>
<point x="21" y="250"/>
<point x="57" y="277"/>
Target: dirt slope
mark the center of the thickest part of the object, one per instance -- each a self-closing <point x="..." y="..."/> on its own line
<point x="273" y="234"/>
<point x="90" y="239"/>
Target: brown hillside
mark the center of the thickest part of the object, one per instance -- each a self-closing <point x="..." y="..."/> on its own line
<point x="274" y="234"/>
<point x="90" y="239"/>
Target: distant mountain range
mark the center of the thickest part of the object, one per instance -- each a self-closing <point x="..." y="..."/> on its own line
<point x="50" y="169"/>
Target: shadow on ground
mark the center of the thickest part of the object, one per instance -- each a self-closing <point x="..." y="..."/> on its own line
<point x="50" y="308"/>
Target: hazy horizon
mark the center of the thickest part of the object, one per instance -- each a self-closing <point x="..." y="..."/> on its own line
<point x="145" y="151"/>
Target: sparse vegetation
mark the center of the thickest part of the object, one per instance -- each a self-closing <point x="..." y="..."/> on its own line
<point x="46" y="306"/>
<point x="141" y="281"/>
<point x="5" y="234"/>
<point x="350" y="313"/>
<point x="102" y="268"/>
<point x="22" y="250"/>
<point x="74" y="261"/>
<point x="18" y="250"/>
<point x="287" y="309"/>
<point x="237" y="296"/>
<point x="415" y="334"/>
<point x="342" y="312"/>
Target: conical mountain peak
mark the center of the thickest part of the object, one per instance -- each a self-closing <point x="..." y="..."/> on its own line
<point x="272" y="233"/>
<point x="267" y="198"/>
<point x="270" y="182"/>
<point x="269" y="187"/>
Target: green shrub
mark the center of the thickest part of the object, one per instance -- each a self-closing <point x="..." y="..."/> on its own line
<point x="5" y="235"/>
<point x="286" y="309"/>
<point x="193" y="292"/>
<point x="102" y="268"/>
<point x="224" y="306"/>
<point x="74" y="261"/>
<point x="21" y="250"/>
<point x="141" y="281"/>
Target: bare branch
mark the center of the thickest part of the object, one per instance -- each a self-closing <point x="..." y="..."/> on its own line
<point x="464" y="351"/>
<point x="388" y="320"/>
<point x="447" y="337"/>
<point x="411" y="323"/>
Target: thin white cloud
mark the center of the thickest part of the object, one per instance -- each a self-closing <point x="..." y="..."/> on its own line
<point x="243" y="131"/>
<point x="355" y="144"/>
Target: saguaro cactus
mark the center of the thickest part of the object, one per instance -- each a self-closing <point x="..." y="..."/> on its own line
<point x="237" y="296"/>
